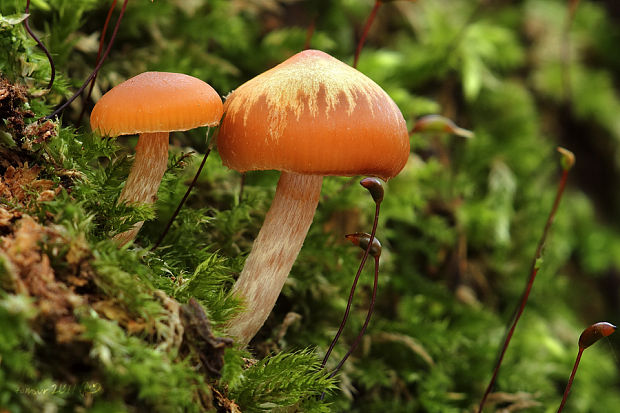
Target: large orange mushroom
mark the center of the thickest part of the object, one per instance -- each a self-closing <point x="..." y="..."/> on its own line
<point x="153" y="104"/>
<point x="308" y="117"/>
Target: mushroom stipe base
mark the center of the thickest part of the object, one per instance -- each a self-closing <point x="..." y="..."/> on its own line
<point x="274" y="251"/>
<point x="145" y="176"/>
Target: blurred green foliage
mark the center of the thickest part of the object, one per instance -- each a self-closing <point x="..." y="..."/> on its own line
<point x="459" y="225"/>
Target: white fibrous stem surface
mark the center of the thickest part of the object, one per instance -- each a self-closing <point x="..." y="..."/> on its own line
<point x="274" y="251"/>
<point x="145" y="176"/>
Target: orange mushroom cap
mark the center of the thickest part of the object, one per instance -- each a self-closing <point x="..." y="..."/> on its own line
<point x="313" y="114"/>
<point x="156" y="102"/>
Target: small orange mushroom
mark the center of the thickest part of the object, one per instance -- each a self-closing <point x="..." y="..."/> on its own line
<point x="310" y="116"/>
<point x="153" y="104"/>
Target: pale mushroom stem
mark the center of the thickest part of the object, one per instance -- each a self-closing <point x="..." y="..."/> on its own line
<point x="274" y="251"/>
<point x="145" y="176"/>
